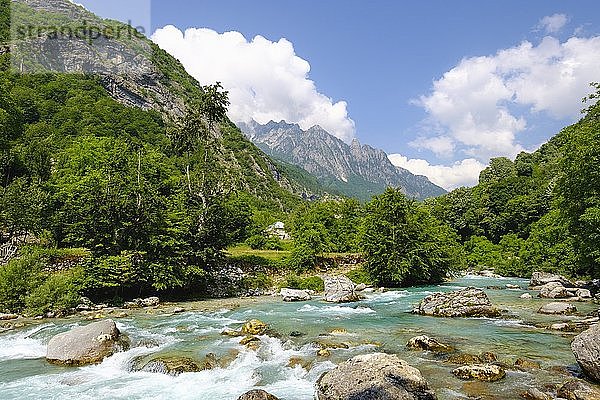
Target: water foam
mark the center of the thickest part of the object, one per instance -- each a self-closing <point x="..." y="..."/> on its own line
<point x="338" y="311"/>
<point x="22" y="345"/>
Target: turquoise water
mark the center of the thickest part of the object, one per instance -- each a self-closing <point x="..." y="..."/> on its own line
<point x="382" y="322"/>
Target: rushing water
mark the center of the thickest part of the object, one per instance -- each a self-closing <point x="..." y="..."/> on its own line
<point x="382" y="322"/>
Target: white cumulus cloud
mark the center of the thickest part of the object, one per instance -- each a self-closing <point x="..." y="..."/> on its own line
<point x="266" y="80"/>
<point x="483" y="103"/>
<point x="461" y="173"/>
<point x="442" y="146"/>
<point x="553" y="23"/>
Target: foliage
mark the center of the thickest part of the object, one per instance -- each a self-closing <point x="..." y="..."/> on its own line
<point x="550" y="247"/>
<point x="257" y="281"/>
<point x="360" y="275"/>
<point x="482" y="253"/>
<point x="579" y="187"/>
<point x="405" y="245"/>
<point x="261" y="242"/>
<point x="18" y="279"/>
<point x="304" y="283"/>
<point x="59" y="293"/>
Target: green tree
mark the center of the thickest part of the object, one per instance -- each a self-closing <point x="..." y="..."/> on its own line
<point x="579" y="187"/>
<point x="405" y="245"/>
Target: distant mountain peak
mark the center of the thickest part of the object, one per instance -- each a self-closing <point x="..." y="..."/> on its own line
<point x="355" y="169"/>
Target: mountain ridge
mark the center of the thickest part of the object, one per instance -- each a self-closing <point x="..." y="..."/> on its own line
<point x="355" y="169"/>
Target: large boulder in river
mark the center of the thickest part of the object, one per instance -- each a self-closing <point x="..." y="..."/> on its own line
<point x="85" y="345"/>
<point x="557" y="308"/>
<point x="374" y="377"/>
<point x="294" y="295"/>
<point x="469" y="302"/>
<point x="340" y="289"/>
<point x="542" y="278"/>
<point x="555" y="290"/>
<point x="586" y="348"/>
<point x="257" y="395"/>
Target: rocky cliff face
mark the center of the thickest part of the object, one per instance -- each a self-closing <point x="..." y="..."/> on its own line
<point x="58" y="36"/>
<point x="355" y="170"/>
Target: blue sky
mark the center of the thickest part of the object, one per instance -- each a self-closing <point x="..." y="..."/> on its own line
<point x="382" y="63"/>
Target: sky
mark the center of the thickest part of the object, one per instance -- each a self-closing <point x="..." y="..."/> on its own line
<point x="441" y="85"/>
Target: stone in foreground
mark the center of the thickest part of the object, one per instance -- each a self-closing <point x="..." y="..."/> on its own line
<point x="374" y="377"/>
<point x="577" y="389"/>
<point x="257" y="395"/>
<point x="294" y="295"/>
<point x="485" y="373"/>
<point x="85" y="345"/>
<point x="586" y="348"/>
<point x="557" y="308"/>
<point x="340" y="289"/>
<point x="469" y="302"/>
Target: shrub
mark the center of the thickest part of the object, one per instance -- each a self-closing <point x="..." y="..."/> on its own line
<point x="273" y="243"/>
<point x="258" y="281"/>
<point x="59" y="293"/>
<point x="256" y="242"/>
<point x="360" y="275"/>
<point x="309" y="283"/>
<point x="17" y="279"/>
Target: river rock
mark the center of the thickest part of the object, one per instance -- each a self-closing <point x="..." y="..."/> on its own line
<point x="257" y="395"/>
<point x="510" y="286"/>
<point x="294" y="295"/>
<point x="8" y="317"/>
<point x="472" y="359"/>
<point x="583" y="294"/>
<point x="541" y="278"/>
<point x="586" y="348"/>
<point x="85" y="345"/>
<point x="148" y="302"/>
<point x="171" y="365"/>
<point x="562" y="326"/>
<point x="254" y="327"/>
<point x="374" y="377"/>
<point x="577" y="389"/>
<point x="526" y="296"/>
<point x="428" y="344"/>
<point x="361" y="287"/>
<point x="488" y="273"/>
<point x="535" y="394"/>
<point x="525" y="364"/>
<point x="557" y="308"/>
<point x="339" y="289"/>
<point x="554" y="290"/>
<point x="469" y="302"/>
<point x="486" y="373"/>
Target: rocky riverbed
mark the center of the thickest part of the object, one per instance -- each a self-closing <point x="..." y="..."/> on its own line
<point x="209" y="350"/>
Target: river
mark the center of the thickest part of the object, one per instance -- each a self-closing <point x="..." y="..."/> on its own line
<point x="382" y="322"/>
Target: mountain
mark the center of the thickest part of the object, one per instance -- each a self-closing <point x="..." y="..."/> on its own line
<point x="356" y="170"/>
<point x="138" y="74"/>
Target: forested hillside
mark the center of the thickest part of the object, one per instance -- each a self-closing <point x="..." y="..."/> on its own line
<point x="539" y="212"/>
